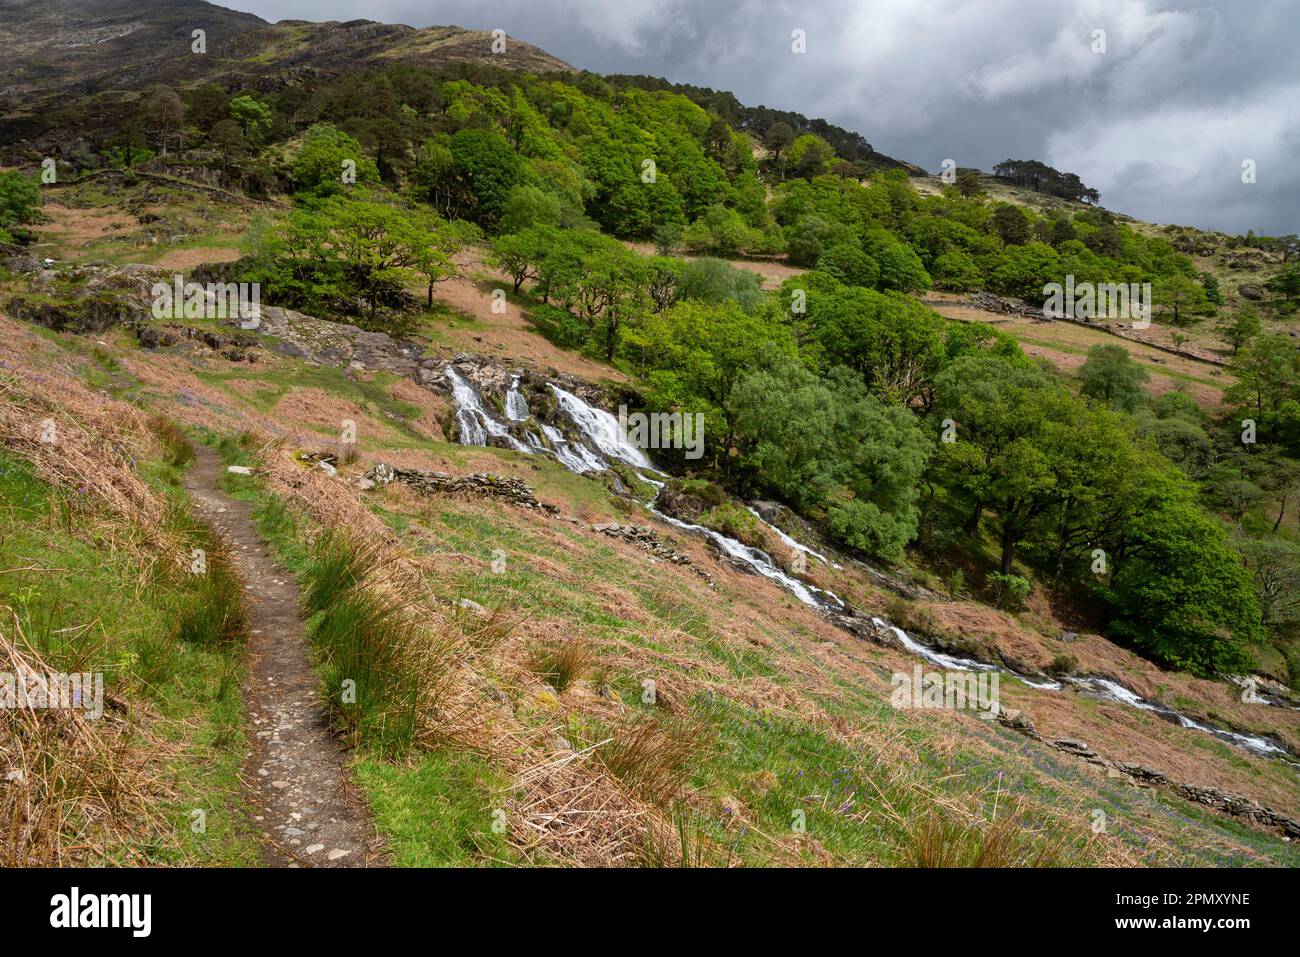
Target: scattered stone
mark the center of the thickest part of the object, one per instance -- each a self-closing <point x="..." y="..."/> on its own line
<point x="239" y="470"/>
<point x="471" y="605"/>
<point x="644" y="537"/>
<point x="512" y="490"/>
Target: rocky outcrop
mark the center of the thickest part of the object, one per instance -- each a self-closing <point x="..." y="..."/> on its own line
<point x="88" y="314"/>
<point x="1007" y="307"/>
<point x="338" y="344"/>
<point x="237" y="347"/>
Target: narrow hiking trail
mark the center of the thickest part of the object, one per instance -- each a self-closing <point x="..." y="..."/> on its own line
<point x="307" y="812"/>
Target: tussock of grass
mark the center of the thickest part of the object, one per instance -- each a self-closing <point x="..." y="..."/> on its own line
<point x="90" y="593"/>
<point x="653" y="756"/>
<point x="684" y="844"/>
<point x="178" y="452"/>
<point x="387" y="669"/>
<point x="939" y="840"/>
<point x="70" y="781"/>
<point x="561" y="663"/>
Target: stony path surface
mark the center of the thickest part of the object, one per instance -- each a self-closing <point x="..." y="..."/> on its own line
<point x="306" y="810"/>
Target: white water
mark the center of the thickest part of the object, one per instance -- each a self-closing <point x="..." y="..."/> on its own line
<point x="788" y="541"/>
<point x="516" y="404"/>
<point x="476" y="422"/>
<point x="755" y="559"/>
<point x="1117" y="692"/>
<point x="600" y="428"/>
<point x="574" y="456"/>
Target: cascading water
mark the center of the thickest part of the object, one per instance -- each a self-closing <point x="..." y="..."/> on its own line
<point x="759" y="561"/>
<point x="788" y="541"/>
<point x="574" y="456"/>
<point x="1114" y="691"/>
<point x="516" y="404"/>
<point x="476" y="422"/>
<point x="601" y="430"/>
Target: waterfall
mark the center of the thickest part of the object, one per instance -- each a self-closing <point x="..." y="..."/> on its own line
<point x="574" y="456"/>
<point x="601" y="429"/>
<point x="759" y="561"/>
<point x="476" y="422"/>
<point x="516" y="404"/>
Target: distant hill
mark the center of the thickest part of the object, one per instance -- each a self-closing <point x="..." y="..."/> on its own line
<point x="56" y="51"/>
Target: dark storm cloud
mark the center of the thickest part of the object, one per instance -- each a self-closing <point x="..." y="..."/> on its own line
<point x="1160" y="122"/>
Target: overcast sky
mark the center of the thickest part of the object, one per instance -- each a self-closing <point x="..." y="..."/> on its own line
<point x="1160" y="122"/>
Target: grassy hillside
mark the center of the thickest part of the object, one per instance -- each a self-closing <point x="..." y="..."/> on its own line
<point x="1074" y="502"/>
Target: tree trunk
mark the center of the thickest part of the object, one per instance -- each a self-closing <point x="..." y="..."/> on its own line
<point x="973" y="523"/>
<point x="1008" y="547"/>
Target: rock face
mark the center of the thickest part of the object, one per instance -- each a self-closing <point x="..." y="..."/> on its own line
<point x="338" y="344"/>
<point x="89" y="314"/>
<point x="683" y="506"/>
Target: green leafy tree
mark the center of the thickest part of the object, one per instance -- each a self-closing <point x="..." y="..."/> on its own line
<point x="1179" y="299"/>
<point x="1287" y="282"/>
<point x="253" y="116"/>
<point x="1268" y="375"/>
<point x="1179" y="590"/>
<point x="20" y="199"/>
<point x="326" y="156"/>
<point x="1008" y="421"/>
<point x="779" y="136"/>
<point x="828" y="444"/>
<point x="491" y="168"/>
<point x="850" y="265"/>
<point x="364" y="247"/>
<point x="529" y="206"/>
<point x="716" y="281"/>
<point x="1111" y="376"/>
<point x="1240" y="327"/>
<point x="521" y="254"/>
<point x="1024" y="270"/>
<point x="1210" y="284"/>
<point x="1012" y="224"/>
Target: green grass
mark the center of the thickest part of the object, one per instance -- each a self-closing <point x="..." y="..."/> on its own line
<point x="439" y="811"/>
<point x="774" y="765"/>
<point x="157" y="632"/>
